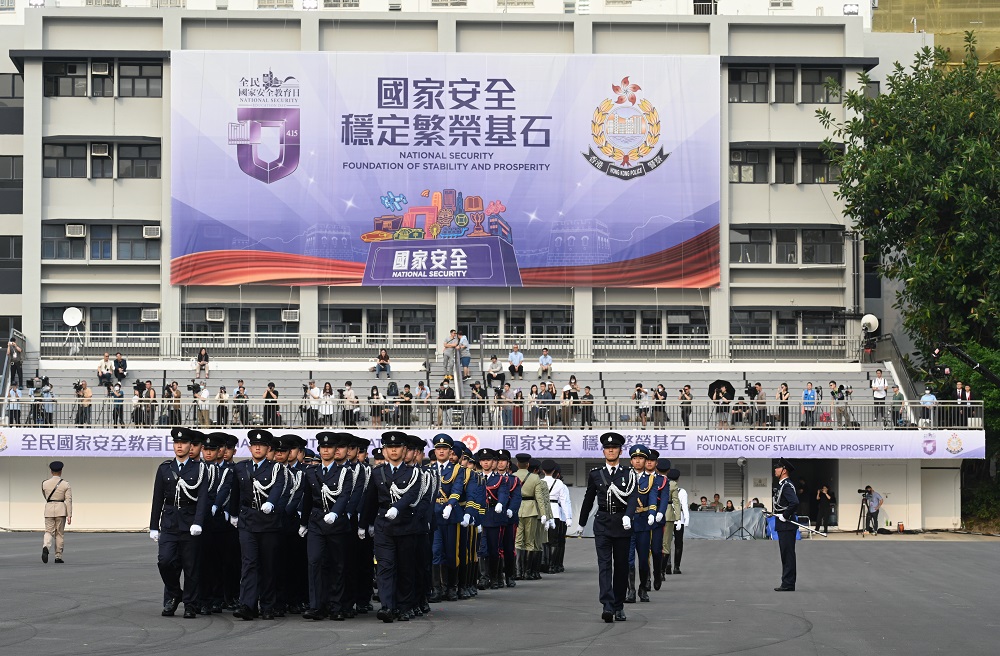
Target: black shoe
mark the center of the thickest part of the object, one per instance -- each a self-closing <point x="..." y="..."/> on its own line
<point x="312" y="614"/>
<point x="495" y="585"/>
<point x="338" y="617"/>
<point x="620" y="616"/>
<point x="45" y="554"/>
<point x="216" y="608"/>
<point x="425" y="608"/>
<point x="643" y="596"/>
<point x="204" y="610"/>
<point x="267" y="614"/>
<point x="677" y="570"/>
<point x="667" y="571"/>
<point x="511" y="583"/>
<point x="630" y="598"/>
<point x="657" y="579"/>
<point x="784" y="588"/>
<point x="367" y="608"/>
<point x="189" y="612"/>
<point x="350" y="613"/>
<point x="279" y="613"/>
<point x="451" y="595"/>
<point x="58" y="561"/>
<point x="169" y="607"/>
<point x="385" y="615"/>
<point x="608" y="616"/>
<point x="244" y="613"/>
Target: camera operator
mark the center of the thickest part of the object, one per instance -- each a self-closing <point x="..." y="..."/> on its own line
<point x="838" y="403"/>
<point x="873" y="501"/>
<point x="222" y="407"/>
<point x="824" y="508"/>
<point x="312" y="395"/>
<point x="48" y="403"/>
<point x="84" y="395"/>
<point x="270" y="405"/>
<point x="241" y="412"/>
<point x="686" y="397"/>
<point x="117" y="406"/>
<point x="172" y="397"/>
<point x="149" y="402"/>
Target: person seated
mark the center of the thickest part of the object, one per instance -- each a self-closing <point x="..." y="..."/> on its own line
<point x="383" y="364"/>
<point x="704" y="507"/>
<point x="494" y="373"/>
<point x="740" y="413"/>
<point x="729" y="506"/>
<point x="120" y="367"/>
<point x="755" y="503"/>
<point x="716" y="504"/>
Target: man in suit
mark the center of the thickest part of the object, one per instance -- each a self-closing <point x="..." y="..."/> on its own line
<point x="255" y="492"/>
<point x="58" y="510"/>
<point x="613" y="487"/>
<point x="180" y="507"/>
<point x="785" y="504"/>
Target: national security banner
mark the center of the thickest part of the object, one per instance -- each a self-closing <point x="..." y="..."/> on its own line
<point x="845" y="444"/>
<point x="445" y="169"/>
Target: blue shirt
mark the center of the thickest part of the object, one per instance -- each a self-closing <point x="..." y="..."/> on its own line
<point x="927" y="400"/>
<point x="545" y="360"/>
<point x="809" y="399"/>
<point x="516" y="358"/>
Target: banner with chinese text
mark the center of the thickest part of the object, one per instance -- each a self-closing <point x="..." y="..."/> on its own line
<point x="445" y="169"/>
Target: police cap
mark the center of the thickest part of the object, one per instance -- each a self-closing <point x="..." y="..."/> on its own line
<point x="612" y="439"/>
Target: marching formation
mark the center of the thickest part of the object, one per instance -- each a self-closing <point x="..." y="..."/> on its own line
<point x="290" y="532"/>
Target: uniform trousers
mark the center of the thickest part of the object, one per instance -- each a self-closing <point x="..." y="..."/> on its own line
<point x="326" y="570"/>
<point x="363" y="572"/>
<point x="446" y="545"/>
<point x="529" y="537"/>
<point x="55" y="530"/>
<point x="396" y="556"/>
<point x="231" y="565"/>
<point x="678" y="551"/>
<point x="259" y="572"/>
<point x="179" y="553"/>
<point x="211" y="566"/>
<point x="612" y="570"/>
<point x="641" y="552"/>
<point x="786" y="545"/>
<point x="508" y="536"/>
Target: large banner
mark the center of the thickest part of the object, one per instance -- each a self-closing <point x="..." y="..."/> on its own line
<point x="445" y="169"/>
<point x="850" y="444"/>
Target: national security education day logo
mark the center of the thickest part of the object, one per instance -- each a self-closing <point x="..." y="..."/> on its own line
<point x="625" y="134"/>
<point x="266" y="135"/>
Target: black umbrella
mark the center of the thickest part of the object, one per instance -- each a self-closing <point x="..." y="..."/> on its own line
<point x="730" y="392"/>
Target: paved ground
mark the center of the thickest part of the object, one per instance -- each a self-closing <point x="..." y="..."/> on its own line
<point x="903" y="595"/>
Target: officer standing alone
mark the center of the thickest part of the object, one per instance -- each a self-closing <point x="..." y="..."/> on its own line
<point x="58" y="510"/>
<point x="785" y="504"/>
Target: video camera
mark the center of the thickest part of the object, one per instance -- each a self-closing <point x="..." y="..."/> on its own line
<point x="194" y="387"/>
<point x="864" y="493"/>
<point x="139" y="386"/>
<point x="78" y="386"/>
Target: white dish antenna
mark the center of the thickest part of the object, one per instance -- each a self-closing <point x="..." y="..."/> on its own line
<point x="72" y="316"/>
<point x="869" y="322"/>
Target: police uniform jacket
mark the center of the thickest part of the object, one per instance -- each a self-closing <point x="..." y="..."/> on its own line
<point x="615" y="497"/>
<point x="292" y="498"/>
<point x="513" y="484"/>
<point x="670" y="502"/>
<point x="786" y="503"/>
<point x="360" y="475"/>
<point x="647" y="497"/>
<point x="451" y="492"/>
<point x="326" y="492"/>
<point x="249" y="490"/>
<point x="475" y="496"/>
<point x="59" y="497"/>
<point x="180" y="498"/>
<point x="424" y="508"/>
<point x="496" y="491"/>
<point x="397" y="490"/>
<point x="214" y="523"/>
<point x="534" y="495"/>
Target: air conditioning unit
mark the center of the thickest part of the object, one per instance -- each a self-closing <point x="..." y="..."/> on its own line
<point x="736" y="156"/>
<point x="100" y="68"/>
<point x="76" y="230"/>
<point x="150" y="232"/>
<point x="150" y="315"/>
<point x="215" y="315"/>
<point x="100" y="150"/>
<point x="290" y="316"/>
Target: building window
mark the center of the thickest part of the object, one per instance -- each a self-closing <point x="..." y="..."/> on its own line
<point x="750" y="246"/>
<point x="100" y="242"/>
<point x="614" y="322"/>
<point x="821" y="323"/>
<point x="552" y="322"/>
<point x="788" y="325"/>
<point x="133" y="246"/>
<point x="873" y="284"/>
<point x="64" y="161"/>
<point x="193" y="321"/>
<point x="57" y="246"/>
<point x="748" y="85"/>
<point x="414" y="322"/>
<point x="476" y="323"/>
<point x="780" y="4"/>
<point x="340" y="321"/>
<point x="274" y="4"/>
<point x="138" y="161"/>
<point x="52" y="320"/>
<point x="784" y="85"/>
<point x="748" y="166"/>
<point x="11" y="263"/>
<point x="65" y="79"/>
<point x="822" y="247"/>
<point x="11" y="171"/>
<point x="687" y="322"/>
<point x="750" y="322"/>
<point x="102" y="166"/>
<point x="130" y="322"/>
<point x="873" y="89"/>
<point x="787" y="246"/>
<point x="11" y="90"/>
<point x="651" y="323"/>
<point x="814" y="86"/>
<point x="269" y="322"/>
<point x="817" y="169"/>
<point x="140" y="80"/>
<point x="239" y="321"/>
<point x="378" y="321"/>
<point x="102" y="79"/>
<point x="784" y="167"/>
<point x="354" y="4"/>
<point x="515" y="322"/>
<point x="100" y="321"/>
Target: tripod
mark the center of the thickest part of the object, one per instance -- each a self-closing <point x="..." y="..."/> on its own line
<point x="742" y="531"/>
<point x="862" y="516"/>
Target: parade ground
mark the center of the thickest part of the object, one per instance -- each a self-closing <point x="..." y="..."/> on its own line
<point x="906" y="594"/>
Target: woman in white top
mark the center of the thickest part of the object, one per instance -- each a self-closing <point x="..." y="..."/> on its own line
<point x="327" y="403"/>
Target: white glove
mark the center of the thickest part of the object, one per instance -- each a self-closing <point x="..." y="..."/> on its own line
<point x="392" y="512"/>
<point x="499" y="508"/>
<point x="552" y="524"/>
<point x="154" y="536"/>
<point x="195" y="529"/>
<point x="651" y="520"/>
<point x="545" y="519"/>
<point x="267" y="508"/>
<point x="479" y="529"/>
<point x="215" y="509"/>
<point x="467" y="519"/>
<point x="446" y="513"/>
<point x="361" y="534"/>
<point x="371" y="531"/>
<point x="659" y="517"/>
<point x="235" y="521"/>
<point x="510" y="513"/>
<point x="225" y="513"/>
<point x="569" y="522"/>
<point x="302" y="531"/>
<point x="627" y="523"/>
<point x="330" y="518"/>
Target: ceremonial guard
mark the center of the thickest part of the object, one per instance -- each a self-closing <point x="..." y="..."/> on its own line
<point x="643" y="521"/>
<point x="360" y="552"/>
<point x="298" y="575"/>
<point x="326" y="491"/>
<point x="786" y="502"/>
<point x="424" y="511"/>
<point x="495" y="517"/>
<point x="472" y="508"/>
<point x="231" y="565"/>
<point x="447" y="517"/>
<point x="394" y="488"/>
<point x="561" y="513"/>
<point x="255" y="493"/>
<point x="613" y="488"/>
<point x="669" y="511"/>
<point x="533" y="514"/>
<point x="509" y="530"/>
<point x="212" y="539"/>
<point x="180" y="507"/>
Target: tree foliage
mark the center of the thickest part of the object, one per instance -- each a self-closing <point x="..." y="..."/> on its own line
<point x="920" y="179"/>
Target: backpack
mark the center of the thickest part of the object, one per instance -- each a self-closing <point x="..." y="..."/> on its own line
<point x="392" y="390"/>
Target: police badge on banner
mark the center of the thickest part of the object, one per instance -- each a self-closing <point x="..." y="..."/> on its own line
<point x="626" y="133"/>
<point x="267" y="126"/>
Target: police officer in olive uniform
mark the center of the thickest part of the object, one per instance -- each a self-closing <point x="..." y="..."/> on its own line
<point x="613" y="487"/>
<point x="180" y="507"/>
<point x="786" y="502"/>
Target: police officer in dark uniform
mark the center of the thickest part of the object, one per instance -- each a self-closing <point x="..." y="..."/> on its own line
<point x="324" y="524"/>
<point x="180" y="507"/>
<point x="786" y="502"/>
<point x="613" y="487"/>
<point x="212" y="546"/>
<point x="295" y="578"/>
<point x="360" y="550"/>
<point x="230" y="536"/>
<point x="393" y="488"/>
<point x="255" y="494"/>
<point x="497" y="500"/>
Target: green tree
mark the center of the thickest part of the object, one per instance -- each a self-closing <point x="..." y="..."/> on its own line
<point x="920" y="180"/>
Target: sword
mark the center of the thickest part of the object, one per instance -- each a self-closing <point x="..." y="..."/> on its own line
<point x="808" y="528"/>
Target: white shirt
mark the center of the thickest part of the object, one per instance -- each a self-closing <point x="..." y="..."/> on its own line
<point x="682" y="497"/>
<point x="559" y="499"/>
<point x="203" y="399"/>
<point x="879" y="386"/>
<point x="314" y="394"/>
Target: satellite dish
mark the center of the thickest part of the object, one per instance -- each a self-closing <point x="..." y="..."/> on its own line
<point x="869" y="322"/>
<point x="741" y="461"/>
<point x="72" y="316"/>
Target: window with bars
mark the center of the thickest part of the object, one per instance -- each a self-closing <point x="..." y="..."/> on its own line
<point x="65" y="79"/>
<point x="748" y="166"/>
<point x="823" y="246"/>
<point x="748" y="85"/>
<point x="138" y="80"/>
<point x="750" y="246"/>
<point x="138" y="161"/>
<point x="814" y="90"/>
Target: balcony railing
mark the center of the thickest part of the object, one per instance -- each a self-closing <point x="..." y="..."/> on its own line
<point x="104" y="412"/>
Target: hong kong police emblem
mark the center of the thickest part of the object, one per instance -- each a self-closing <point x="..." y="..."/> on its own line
<point x="625" y="131"/>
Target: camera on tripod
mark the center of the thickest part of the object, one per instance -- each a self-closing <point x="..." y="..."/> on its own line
<point x="139" y="386"/>
<point x="193" y="386"/>
<point x="78" y="386"/>
<point x="864" y="493"/>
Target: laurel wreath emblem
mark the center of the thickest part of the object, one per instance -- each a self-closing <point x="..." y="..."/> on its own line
<point x="617" y="154"/>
